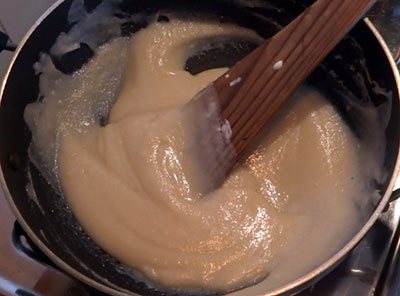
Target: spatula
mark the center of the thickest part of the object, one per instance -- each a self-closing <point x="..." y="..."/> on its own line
<point x="245" y="99"/>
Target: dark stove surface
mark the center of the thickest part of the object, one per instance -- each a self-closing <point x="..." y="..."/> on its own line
<point x="373" y="268"/>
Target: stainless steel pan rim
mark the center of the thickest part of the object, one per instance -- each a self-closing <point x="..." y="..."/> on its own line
<point x="288" y="289"/>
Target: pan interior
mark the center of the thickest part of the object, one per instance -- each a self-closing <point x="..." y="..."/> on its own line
<point x="351" y="77"/>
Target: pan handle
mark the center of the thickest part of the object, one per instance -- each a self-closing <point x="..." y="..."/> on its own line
<point x="24" y="244"/>
<point x="5" y="43"/>
<point x="45" y="278"/>
<point x="395" y="195"/>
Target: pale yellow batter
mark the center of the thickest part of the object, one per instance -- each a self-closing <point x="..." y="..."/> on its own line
<point x="290" y="205"/>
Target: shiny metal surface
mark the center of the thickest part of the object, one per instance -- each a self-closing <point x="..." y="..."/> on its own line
<point x="373" y="268"/>
<point x="364" y="267"/>
<point x="386" y="17"/>
<point x="365" y="270"/>
<point x="391" y="283"/>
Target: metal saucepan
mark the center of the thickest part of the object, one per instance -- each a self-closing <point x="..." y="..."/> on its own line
<point x="364" y="64"/>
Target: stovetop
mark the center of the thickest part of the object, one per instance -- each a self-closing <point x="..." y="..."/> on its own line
<point x="372" y="269"/>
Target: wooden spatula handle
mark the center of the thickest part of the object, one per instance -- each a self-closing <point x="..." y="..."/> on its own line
<point x="271" y="73"/>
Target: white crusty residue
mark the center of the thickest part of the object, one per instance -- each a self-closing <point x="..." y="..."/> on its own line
<point x="235" y="81"/>
<point x="278" y="65"/>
